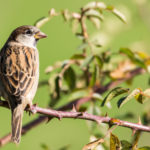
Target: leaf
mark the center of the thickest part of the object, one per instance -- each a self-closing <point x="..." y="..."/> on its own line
<point x="124" y="100"/>
<point x="66" y="14"/>
<point x="97" y="96"/>
<point x="87" y="61"/>
<point x="39" y="23"/>
<point x="78" y="56"/>
<point x="65" y="147"/>
<point x="78" y="93"/>
<point x="45" y="147"/>
<point x="57" y="87"/>
<point x="144" y="148"/>
<point x="70" y="77"/>
<point x="95" y="22"/>
<point x="93" y="79"/>
<point x="114" y="93"/>
<point x="99" y="61"/>
<point x="132" y="56"/>
<point x="94" y="13"/>
<point x="92" y="109"/>
<point x="117" y="13"/>
<point x="84" y="45"/>
<point x="126" y="145"/>
<point x="127" y="51"/>
<point x="136" y="139"/>
<point x="114" y="142"/>
<point x="122" y="69"/>
<point x="94" y="5"/>
<point x="92" y="145"/>
<point x="139" y="97"/>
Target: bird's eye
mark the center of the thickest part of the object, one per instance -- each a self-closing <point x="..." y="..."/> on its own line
<point x="29" y="32"/>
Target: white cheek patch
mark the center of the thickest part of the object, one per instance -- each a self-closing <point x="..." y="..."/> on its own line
<point x="27" y="40"/>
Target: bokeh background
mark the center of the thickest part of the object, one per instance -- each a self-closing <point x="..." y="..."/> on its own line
<point x="60" y="45"/>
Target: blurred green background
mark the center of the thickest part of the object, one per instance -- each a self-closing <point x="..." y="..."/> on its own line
<point x="61" y="44"/>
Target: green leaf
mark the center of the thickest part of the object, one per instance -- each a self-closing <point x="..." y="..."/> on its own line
<point x="45" y="147"/>
<point x="78" y="93"/>
<point x="70" y="77"/>
<point x="125" y="145"/>
<point x="87" y="61"/>
<point x="117" y="13"/>
<point x="124" y="100"/>
<point x="99" y="61"/>
<point x="84" y="45"/>
<point x="114" y="93"/>
<point x="78" y="56"/>
<point x="133" y="58"/>
<point x="114" y="142"/>
<point x="95" y="110"/>
<point x="127" y="51"/>
<point x="93" y="79"/>
<point x="144" y="148"/>
<point x="57" y="87"/>
<point x="67" y="147"/>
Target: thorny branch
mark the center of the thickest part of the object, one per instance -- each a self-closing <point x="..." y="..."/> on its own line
<point x="48" y="114"/>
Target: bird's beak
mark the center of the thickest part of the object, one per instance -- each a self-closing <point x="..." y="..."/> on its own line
<point x="40" y="35"/>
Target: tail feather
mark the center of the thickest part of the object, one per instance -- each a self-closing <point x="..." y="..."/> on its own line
<point x="17" y="114"/>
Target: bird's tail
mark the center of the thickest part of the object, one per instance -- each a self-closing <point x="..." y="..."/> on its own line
<point x="16" y="122"/>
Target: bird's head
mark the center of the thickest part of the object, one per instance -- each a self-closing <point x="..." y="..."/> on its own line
<point x="27" y="35"/>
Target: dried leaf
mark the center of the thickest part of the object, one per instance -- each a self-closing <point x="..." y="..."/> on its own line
<point x="94" y="13"/>
<point x="114" y="142"/>
<point x="123" y="68"/>
<point x="136" y="140"/>
<point x="117" y="13"/>
<point x="94" y="5"/>
<point x="97" y="96"/>
<point x="92" y="145"/>
<point x="66" y="14"/>
<point x="95" y="22"/>
<point x="39" y="23"/>
<point x="114" y="93"/>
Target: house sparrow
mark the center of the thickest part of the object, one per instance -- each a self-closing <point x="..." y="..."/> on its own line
<point x="19" y="73"/>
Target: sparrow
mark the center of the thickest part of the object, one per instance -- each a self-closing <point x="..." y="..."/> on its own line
<point x="19" y="73"/>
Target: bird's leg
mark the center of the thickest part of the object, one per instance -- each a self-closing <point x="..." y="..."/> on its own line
<point x="30" y="108"/>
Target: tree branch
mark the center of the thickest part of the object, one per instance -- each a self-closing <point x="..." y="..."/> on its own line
<point x="77" y="103"/>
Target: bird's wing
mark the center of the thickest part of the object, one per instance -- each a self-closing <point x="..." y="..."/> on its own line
<point x="18" y="67"/>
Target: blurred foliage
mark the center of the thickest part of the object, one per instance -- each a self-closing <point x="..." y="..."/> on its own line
<point x="111" y="39"/>
<point x="90" y="69"/>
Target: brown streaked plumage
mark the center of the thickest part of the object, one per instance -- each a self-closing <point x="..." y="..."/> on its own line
<point x="19" y="73"/>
